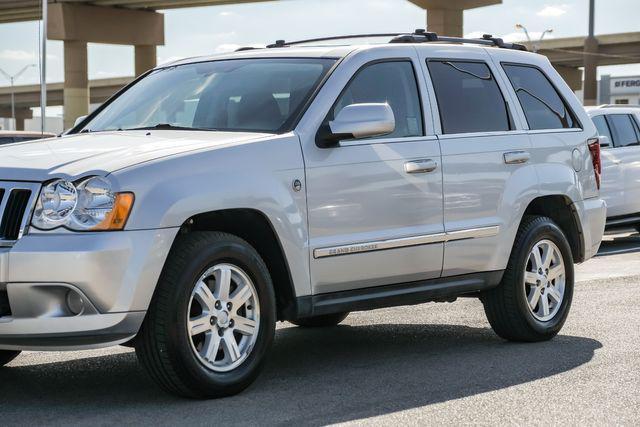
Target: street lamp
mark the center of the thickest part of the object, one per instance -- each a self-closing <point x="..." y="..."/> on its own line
<point x="534" y="45"/>
<point x="12" y="79"/>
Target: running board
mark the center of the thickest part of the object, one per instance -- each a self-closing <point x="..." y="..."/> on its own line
<point x="622" y="220"/>
<point x="444" y="288"/>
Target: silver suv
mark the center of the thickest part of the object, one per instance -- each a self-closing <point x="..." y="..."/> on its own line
<point x="215" y="196"/>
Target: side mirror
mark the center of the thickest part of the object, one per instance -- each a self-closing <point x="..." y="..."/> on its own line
<point x="79" y="120"/>
<point x="604" y="141"/>
<point x="361" y="121"/>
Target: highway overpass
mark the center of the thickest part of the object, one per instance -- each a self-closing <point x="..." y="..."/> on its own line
<point x="137" y="23"/>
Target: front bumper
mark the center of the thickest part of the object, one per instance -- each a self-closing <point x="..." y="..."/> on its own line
<point x="66" y="291"/>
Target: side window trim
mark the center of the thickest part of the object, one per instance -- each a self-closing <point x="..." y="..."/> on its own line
<point x="437" y="111"/>
<point x="567" y="106"/>
<point x="382" y="139"/>
<point x="614" y="130"/>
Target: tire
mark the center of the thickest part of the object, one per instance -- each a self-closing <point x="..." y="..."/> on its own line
<point x="322" y="321"/>
<point x="7" y="356"/>
<point x="508" y="306"/>
<point x="177" y="360"/>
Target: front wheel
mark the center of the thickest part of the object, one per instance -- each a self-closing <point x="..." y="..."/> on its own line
<point x="533" y="300"/>
<point x="212" y="319"/>
<point x="7" y="356"/>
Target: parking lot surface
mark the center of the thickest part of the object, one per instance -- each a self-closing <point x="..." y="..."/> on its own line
<point x="430" y="363"/>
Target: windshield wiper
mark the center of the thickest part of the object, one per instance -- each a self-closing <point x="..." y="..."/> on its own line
<point x="167" y="126"/>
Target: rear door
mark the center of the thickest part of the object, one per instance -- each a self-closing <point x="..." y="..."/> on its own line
<point x="373" y="222"/>
<point x="612" y="189"/>
<point x="625" y="154"/>
<point x="484" y="149"/>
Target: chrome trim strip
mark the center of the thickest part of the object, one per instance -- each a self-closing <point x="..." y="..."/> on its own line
<point x="426" y="239"/>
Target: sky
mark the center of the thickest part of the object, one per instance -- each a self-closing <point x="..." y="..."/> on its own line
<point x="200" y="31"/>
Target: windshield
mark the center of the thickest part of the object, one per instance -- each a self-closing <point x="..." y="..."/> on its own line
<point x="254" y="95"/>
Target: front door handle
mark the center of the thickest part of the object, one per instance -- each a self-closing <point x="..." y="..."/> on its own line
<point x="516" y="157"/>
<point x="420" y="166"/>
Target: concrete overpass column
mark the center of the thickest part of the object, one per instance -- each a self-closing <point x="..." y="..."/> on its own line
<point x="590" y="71"/>
<point x="145" y="58"/>
<point x="445" y="17"/>
<point x="21" y="115"/>
<point x="76" y="81"/>
<point x="77" y="24"/>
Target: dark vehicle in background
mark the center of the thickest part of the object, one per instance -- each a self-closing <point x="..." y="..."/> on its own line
<point x="9" y="137"/>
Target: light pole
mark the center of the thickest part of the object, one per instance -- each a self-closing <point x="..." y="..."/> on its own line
<point x="12" y="79"/>
<point x="534" y="45"/>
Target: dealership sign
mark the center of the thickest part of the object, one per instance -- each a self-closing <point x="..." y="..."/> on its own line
<point x="625" y="85"/>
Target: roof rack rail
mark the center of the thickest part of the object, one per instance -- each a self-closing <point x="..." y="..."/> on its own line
<point x="423" y="36"/>
<point x="282" y="43"/>
<point x="418" y="36"/>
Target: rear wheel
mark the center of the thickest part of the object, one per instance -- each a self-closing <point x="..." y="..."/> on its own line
<point x="7" y="356"/>
<point x="533" y="300"/>
<point x="321" y="321"/>
<point x="212" y="319"/>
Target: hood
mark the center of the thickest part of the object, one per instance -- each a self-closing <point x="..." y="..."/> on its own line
<point x="105" y="152"/>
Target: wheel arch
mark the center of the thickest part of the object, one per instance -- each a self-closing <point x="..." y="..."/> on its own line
<point x="562" y="211"/>
<point x="254" y="227"/>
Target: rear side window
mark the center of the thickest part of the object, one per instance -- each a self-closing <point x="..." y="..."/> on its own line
<point x="603" y="127"/>
<point x="393" y="82"/>
<point x="543" y="106"/>
<point x="469" y="99"/>
<point x="624" y="129"/>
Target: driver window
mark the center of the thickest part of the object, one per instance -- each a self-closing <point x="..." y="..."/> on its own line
<point x="390" y="82"/>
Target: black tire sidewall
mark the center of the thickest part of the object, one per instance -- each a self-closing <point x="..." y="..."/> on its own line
<point x="546" y="230"/>
<point x="181" y="353"/>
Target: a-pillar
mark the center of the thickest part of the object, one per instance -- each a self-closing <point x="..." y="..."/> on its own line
<point x="145" y="58"/>
<point x="445" y="17"/>
<point x="76" y="81"/>
<point x="590" y="71"/>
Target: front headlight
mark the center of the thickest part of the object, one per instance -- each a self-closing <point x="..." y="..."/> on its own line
<point x="87" y="205"/>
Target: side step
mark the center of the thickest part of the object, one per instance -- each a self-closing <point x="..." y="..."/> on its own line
<point x="445" y="288"/>
<point x="618" y="221"/>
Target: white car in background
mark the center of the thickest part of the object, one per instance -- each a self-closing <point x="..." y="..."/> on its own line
<point x="620" y="125"/>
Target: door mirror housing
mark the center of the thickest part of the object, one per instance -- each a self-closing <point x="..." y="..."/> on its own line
<point x="357" y="121"/>
<point x="604" y="141"/>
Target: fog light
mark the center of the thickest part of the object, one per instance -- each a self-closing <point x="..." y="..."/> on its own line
<point x="75" y="302"/>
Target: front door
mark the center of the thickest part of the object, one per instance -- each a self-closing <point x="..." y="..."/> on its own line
<point x="373" y="218"/>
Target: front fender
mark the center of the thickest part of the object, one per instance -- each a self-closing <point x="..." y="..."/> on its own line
<point x="256" y="176"/>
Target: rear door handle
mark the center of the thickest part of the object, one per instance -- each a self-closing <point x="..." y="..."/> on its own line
<point x="420" y="166"/>
<point x="516" y="157"/>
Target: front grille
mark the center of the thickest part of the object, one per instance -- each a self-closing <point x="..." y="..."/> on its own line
<point x="16" y="200"/>
<point x="5" y="308"/>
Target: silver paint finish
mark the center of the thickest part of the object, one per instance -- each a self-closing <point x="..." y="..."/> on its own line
<point x="364" y="120"/>
<point x="358" y="191"/>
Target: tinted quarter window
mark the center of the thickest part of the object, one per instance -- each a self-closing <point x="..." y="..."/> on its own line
<point x="603" y="128"/>
<point x="390" y="82"/>
<point x="468" y="96"/>
<point x="543" y="106"/>
<point x="623" y="129"/>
